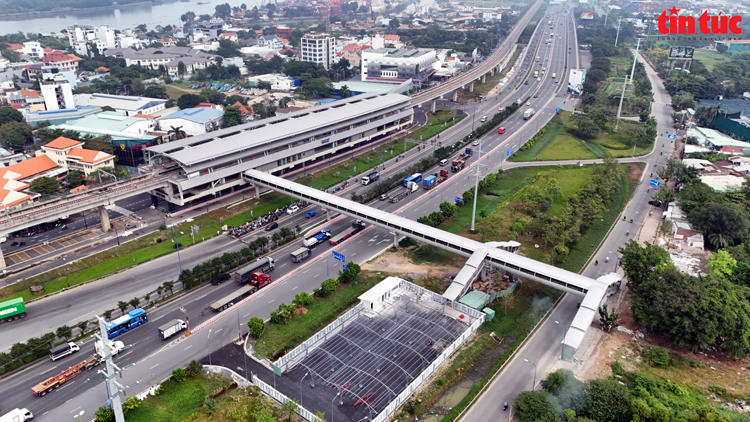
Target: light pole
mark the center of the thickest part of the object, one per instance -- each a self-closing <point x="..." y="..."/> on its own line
<point x="177" y="245"/>
<point x="294" y="229"/>
<point x="534" y="384"/>
<point x="209" y="347"/>
<point x="300" y="388"/>
<point x="118" y="237"/>
<point x="334" y="398"/>
<point x="476" y="188"/>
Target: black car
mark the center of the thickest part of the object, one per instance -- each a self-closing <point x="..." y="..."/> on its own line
<point x="655" y="203"/>
<point x="220" y="278"/>
<point x="272" y="226"/>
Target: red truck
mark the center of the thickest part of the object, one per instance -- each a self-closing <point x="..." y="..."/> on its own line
<point x="443" y="175"/>
<point x="260" y="279"/>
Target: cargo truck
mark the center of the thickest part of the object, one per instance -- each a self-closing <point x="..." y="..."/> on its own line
<point x="168" y="330"/>
<point x="429" y="182"/>
<point x="458" y="165"/>
<point x="357" y="226"/>
<point x="317" y="238"/>
<point x="528" y="113"/>
<point x="56" y="381"/>
<point x="115" y="347"/>
<point x="17" y="415"/>
<point x="372" y="177"/>
<point x="260" y="280"/>
<point x="12" y="309"/>
<point x="300" y="254"/>
<point x="412" y="187"/>
<point x="244" y="274"/>
<point x="397" y="196"/>
<point x="232" y="298"/>
<point x="63" y="350"/>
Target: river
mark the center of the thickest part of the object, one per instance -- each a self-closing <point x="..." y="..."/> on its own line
<point x="126" y="17"/>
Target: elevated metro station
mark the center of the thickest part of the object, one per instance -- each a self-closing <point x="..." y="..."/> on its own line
<point x="214" y="162"/>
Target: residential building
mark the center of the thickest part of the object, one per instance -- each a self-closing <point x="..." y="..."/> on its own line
<point x="194" y="121"/>
<point x="231" y="36"/>
<point x="397" y="65"/>
<point x="714" y="139"/>
<point x="393" y="41"/>
<point x="33" y="49"/>
<point x="319" y="48"/>
<point x="62" y="61"/>
<point x="70" y="154"/>
<point x="209" y="29"/>
<point x="162" y="56"/>
<point x="82" y="37"/>
<point x="16" y="179"/>
<point x="130" y="106"/>
<point x="192" y="63"/>
<point x="270" y="41"/>
<point x="244" y="111"/>
<point x="57" y="93"/>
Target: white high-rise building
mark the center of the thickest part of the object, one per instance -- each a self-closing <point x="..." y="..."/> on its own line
<point x="57" y="93"/>
<point x="103" y="37"/>
<point x="319" y="48"/>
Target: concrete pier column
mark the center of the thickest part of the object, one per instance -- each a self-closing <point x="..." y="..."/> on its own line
<point x="104" y="217"/>
<point x="471" y="86"/>
<point x="455" y="96"/>
<point x="434" y="105"/>
<point x="328" y="214"/>
<point x="395" y="239"/>
<point x="484" y="78"/>
<point x="2" y="260"/>
<point x="257" y="192"/>
<point x="154" y="200"/>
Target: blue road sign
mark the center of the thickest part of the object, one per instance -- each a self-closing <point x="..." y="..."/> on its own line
<point x="555" y="85"/>
<point x="670" y="136"/>
<point x="509" y="153"/>
<point x="344" y="267"/>
<point x="557" y="109"/>
<point x="678" y="131"/>
<point x="668" y="105"/>
<point x="339" y="257"/>
<point x="653" y="182"/>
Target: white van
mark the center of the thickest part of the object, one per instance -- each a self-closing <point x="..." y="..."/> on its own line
<point x="484" y="118"/>
<point x="443" y="162"/>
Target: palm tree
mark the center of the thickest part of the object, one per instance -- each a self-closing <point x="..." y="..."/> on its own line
<point x="720" y="240"/>
<point x="707" y="114"/>
<point x="176" y="132"/>
<point x="345" y="93"/>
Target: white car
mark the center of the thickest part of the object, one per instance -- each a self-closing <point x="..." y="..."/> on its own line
<point x="292" y="209"/>
<point x="475" y="143"/>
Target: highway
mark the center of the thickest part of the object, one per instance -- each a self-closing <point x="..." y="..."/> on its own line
<point x="150" y="360"/>
<point x="544" y="347"/>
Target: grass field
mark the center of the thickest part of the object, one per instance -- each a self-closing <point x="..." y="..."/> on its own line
<point x="710" y="58"/>
<point x="436" y="123"/>
<point x="558" y="143"/>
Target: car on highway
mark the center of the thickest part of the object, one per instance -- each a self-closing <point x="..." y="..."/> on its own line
<point x="384" y="196"/>
<point x="501" y="130"/>
<point x="475" y="143"/>
<point x="310" y="214"/>
<point x="14" y="244"/>
<point x="292" y="209"/>
<point x="220" y="279"/>
<point x="526" y="82"/>
<point x="443" y="162"/>
<point x="535" y="95"/>
<point x="655" y="203"/>
<point x="528" y="103"/>
<point x="272" y="226"/>
<point x="501" y="109"/>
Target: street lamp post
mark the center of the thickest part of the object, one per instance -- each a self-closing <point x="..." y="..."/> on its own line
<point x="334" y="398"/>
<point x="177" y="245"/>
<point x="209" y="347"/>
<point x="534" y="384"/>
<point x="300" y="388"/>
<point x="118" y="236"/>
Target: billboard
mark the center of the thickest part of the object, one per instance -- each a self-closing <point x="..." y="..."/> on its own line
<point x="684" y="53"/>
<point x="587" y="15"/>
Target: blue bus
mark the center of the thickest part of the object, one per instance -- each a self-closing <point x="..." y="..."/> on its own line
<point x="127" y="322"/>
<point x="416" y="178"/>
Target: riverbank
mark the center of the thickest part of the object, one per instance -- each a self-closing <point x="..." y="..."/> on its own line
<point x="63" y="11"/>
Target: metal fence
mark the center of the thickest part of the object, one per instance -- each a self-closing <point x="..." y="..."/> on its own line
<point x="304" y="413"/>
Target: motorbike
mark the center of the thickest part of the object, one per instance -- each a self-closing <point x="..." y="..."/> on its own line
<point x="505" y="406"/>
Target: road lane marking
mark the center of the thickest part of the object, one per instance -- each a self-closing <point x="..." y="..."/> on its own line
<point x="188" y="347"/>
<point x="153" y="366"/>
<point x="71" y="410"/>
<point x="272" y="300"/>
<point x="295" y="288"/>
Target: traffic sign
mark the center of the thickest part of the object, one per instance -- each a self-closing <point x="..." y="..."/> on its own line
<point x="557" y="109"/>
<point x="668" y="105"/>
<point x="339" y="257"/>
<point x="458" y="199"/>
<point x="653" y="182"/>
<point x="670" y="136"/>
<point x="344" y="267"/>
<point x="509" y="153"/>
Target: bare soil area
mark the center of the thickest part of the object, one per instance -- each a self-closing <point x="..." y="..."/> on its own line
<point x="397" y="262"/>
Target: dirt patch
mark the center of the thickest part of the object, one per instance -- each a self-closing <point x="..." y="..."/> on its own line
<point x="397" y="262"/>
<point x="634" y="171"/>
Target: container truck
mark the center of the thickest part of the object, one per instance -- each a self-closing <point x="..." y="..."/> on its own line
<point x="372" y="177"/>
<point x="412" y="187"/>
<point x="397" y="196"/>
<point x="357" y="226"/>
<point x="115" y="347"/>
<point x="244" y="274"/>
<point x="458" y="165"/>
<point x="442" y="176"/>
<point x="300" y="254"/>
<point x="56" y="381"/>
<point x="317" y="238"/>
<point x="17" y="415"/>
<point x="168" y="330"/>
<point x="232" y="298"/>
<point x="260" y="280"/>
<point x="429" y="182"/>
<point x="12" y="309"/>
<point x="63" y="350"/>
<point x="528" y="113"/>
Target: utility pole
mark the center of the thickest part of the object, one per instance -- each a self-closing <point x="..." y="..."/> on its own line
<point x="624" y="84"/>
<point x="110" y="372"/>
<point x="476" y="187"/>
<point x="632" y="71"/>
<point x="618" y="31"/>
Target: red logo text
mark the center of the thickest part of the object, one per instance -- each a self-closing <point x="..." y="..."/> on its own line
<point x="673" y="24"/>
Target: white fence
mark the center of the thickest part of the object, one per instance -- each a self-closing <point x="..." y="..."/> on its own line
<point x="304" y="413"/>
<point x="401" y="398"/>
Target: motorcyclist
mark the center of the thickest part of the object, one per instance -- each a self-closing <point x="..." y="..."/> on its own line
<point x="596" y="262"/>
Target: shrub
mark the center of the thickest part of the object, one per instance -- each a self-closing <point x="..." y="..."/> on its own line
<point x="256" y="327"/>
<point x="179" y="375"/>
<point x="194" y="368"/>
<point x="658" y="356"/>
<point x="303" y="299"/>
<point x="104" y="414"/>
<point x="329" y="286"/>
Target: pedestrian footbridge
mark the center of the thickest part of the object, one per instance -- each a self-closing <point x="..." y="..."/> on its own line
<point x="479" y="254"/>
